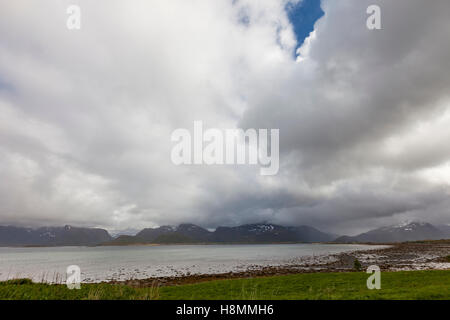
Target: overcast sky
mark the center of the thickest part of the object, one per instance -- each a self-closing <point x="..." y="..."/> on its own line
<point x="86" y="115"/>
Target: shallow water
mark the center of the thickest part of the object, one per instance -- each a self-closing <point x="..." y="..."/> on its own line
<point x="138" y="262"/>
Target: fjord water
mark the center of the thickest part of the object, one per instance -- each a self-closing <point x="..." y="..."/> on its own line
<point x="138" y="262"/>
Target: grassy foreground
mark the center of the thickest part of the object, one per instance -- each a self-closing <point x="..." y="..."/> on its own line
<point x="394" y="285"/>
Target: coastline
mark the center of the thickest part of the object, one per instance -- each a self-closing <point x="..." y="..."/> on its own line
<point x="425" y="255"/>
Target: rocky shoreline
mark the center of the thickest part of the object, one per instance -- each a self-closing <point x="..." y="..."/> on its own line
<point x="428" y="255"/>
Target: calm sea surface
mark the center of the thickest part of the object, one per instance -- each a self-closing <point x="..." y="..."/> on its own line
<point x="121" y="263"/>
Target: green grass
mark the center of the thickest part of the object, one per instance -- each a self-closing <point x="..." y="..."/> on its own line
<point x="394" y="285"/>
<point x="24" y="289"/>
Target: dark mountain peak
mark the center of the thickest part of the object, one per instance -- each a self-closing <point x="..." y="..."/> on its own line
<point x="259" y="227"/>
<point x="150" y="234"/>
<point x="409" y="231"/>
<point x="193" y="232"/>
<point x="189" y="227"/>
<point x="52" y="236"/>
<point x="407" y="225"/>
<point x="262" y="232"/>
<point x="415" y="225"/>
<point x="167" y="228"/>
<point x="445" y="228"/>
<point x="169" y="233"/>
<point x="269" y="232"/>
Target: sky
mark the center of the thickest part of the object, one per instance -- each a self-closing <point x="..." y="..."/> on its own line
<point x="86" y="116"/>
<point x="303" y="15"/>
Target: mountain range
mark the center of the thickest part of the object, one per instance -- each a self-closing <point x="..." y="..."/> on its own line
<point x="249" y="233"/>
<point x="413" y="231"/>
<point x="190" y="233"/>
<point x="52" y="236"/>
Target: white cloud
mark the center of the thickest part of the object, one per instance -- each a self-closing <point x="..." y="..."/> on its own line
<point x="86" y="116"/>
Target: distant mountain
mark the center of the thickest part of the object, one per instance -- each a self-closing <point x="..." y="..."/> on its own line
<point x="408" y="232"/>
<point x="193" y="231"/>
<point x="184" y="233"/>
<point x="123" y="232"/>
<point x="150" y="234"/>
<point x="190" y="233"/>
<point x="269" y="233"/>
<point x="445" y="229"/>
<point x="52" y="236"/>
<point x="250" y="233"/>
<point x="253" y="233"/>
<point x="310" y="234"/>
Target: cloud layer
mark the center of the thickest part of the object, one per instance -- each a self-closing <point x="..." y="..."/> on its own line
<point x="86" y="116"/>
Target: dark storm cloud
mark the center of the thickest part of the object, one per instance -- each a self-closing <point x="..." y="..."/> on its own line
<point x="86" y="116"/>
